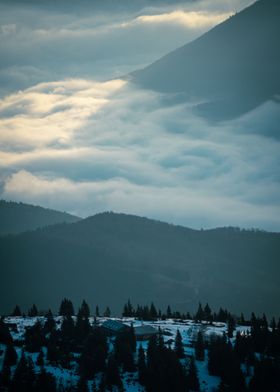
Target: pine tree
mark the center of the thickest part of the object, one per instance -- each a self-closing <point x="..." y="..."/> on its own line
<point x="50" y="323"/>
<point x="97" y="313"/>
<point x="16" y="312"/>
<point x="193" y="381"/>
<point x="179" y="348"/>
<point x="142" y="368"/>
<point x="84" y="310"/>
<point x="199" y="347"/>
<point x="40" y="359"/>
<point x="82" y="385"/>
<point x="24" y="376"/>
<point x="67" y="328"/>
<point x="168" y="312"/>
<point x="107" y="312"/>
<point x="231" y="326"/>
<point x="132" y="338"/>
<point x="207" y="313"/>
<point x="45" y="382"/>
<point x="112" y="375"/>
<point x="5" y="335"/>
<point x="200" y="313"/>
<point x="11" y="357"/>
<point x="5" y="377"/>
<point x="66" y="308"/>
<point x="153" y="312"/>
<point x="82" y="327"/>
<point x="33" y="311"/>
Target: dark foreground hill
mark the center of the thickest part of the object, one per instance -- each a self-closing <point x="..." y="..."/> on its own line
<point x="110" y="257"/>
<point x="19" y="217"/>
<point x="231" y="69"/>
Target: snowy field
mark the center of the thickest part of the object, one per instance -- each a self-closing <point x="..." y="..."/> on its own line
<point x="169" y="327"/>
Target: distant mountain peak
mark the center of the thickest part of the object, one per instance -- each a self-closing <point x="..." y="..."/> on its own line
<point x="233" y="68"/>
<point x="19" y="217"/>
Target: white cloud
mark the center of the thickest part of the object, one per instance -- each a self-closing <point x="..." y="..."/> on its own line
<point x="134" y="153"/>
<point x="190" y="20"/>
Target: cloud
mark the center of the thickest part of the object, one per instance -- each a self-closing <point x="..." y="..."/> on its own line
<point x="190" y="20"/>
<point x="42" y="43"/>
<point x="51" y="112"/>
<point x="86" y="147"/>
<point x="69" y="140"/>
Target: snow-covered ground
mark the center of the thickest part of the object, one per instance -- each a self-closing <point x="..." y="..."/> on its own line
<point x="169" y="327"/>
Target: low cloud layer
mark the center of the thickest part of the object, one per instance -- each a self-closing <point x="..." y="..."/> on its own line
<point x="86" y="146"/>
<point x="47" y="42"/>
<point x="70" y="141"/>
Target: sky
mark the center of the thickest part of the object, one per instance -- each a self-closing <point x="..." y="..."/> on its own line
<point x="77" y="137"/>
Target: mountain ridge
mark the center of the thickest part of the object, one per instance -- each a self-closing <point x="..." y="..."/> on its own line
<point x="110" y="257"/>
<point x="16" y="217"/>
<point x="231" y="68"/>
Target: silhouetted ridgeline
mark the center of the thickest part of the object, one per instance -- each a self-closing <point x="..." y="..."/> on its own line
<point x="232" y="69"/>
<point x="19" y="217"/>
<point x="109" y="257"/>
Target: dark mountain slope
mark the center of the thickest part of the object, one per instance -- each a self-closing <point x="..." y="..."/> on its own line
<point x="19" y="217"/>
<point x="110" y="257"/>
<point x="233" y="68"/>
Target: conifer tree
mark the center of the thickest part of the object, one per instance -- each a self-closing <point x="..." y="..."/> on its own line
<point x="193" y="381"/>
<point x="82" y="385"/>
<point x="179" y="348"/>
<point x="200" y="313"/>
<point x="50" y="323"/>
<point x="199" y="347"/>
<point x="66" y="308"/>
<point x="16" y="312"/>
<point x="40" y="359"/>
<point x="231" y="326"/>
<point x="132" y="338"/>
<point x="24" y="376"/>
<point x="142" y="368"/>
<point x="97" y="313"/>
<point x="11" y="357"/>
<point x="84" y="310"/>
<point x="112" y="375"/>
<point x="45" y="382"/>
<point x="168" y="312"/>
<point x="153" y="312"/>
<point x="5" y="378"/>
<point x="107" y="312"/>
<point x="207" y="313"/>
<point x="33" y="311"/>
<point x="5" y="335"/>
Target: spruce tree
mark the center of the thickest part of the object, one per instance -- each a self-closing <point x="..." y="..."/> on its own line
<point x="5" y="378"/>
<point x="10" y="358"/>
<point x="153" y="312"/>
<point x="66" y="308"/>
<point x="84" y="310"/>
<point x="82" y="385"/>
<point x="142" y="368"/>
<point x="107" y="312"/>
<point x="200" y="313"/>
<point x="199" y="347"/>
<point x="49" y="325"/>
<point x="168" y="312"/>
<point x="193" y="381"/>
<point x="112" y="375"/>
<point x="33" y="311"/>
<point x="16" y="312"/>
<point x="40" y="359"/>
<point x="5" y="335"/>
<point x="45" y="382"/>
<point x="179" y="348"/>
